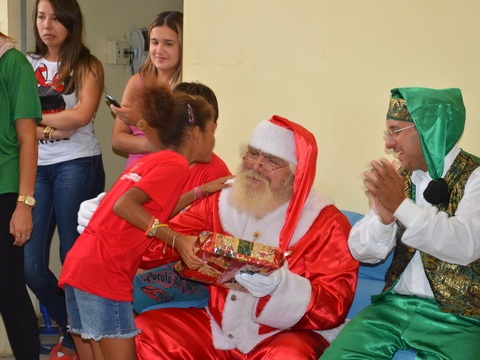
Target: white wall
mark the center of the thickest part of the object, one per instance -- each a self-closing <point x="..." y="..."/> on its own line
<point x="3" y="16"/>
<point x="330" y="65"/>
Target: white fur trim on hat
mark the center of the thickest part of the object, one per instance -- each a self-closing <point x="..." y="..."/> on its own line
<point x="274" y="140"/>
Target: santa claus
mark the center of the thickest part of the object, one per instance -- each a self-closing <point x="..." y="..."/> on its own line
<point x="271" y="201"/>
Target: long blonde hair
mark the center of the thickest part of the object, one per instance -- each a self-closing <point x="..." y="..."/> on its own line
<point x="174" y="20"/>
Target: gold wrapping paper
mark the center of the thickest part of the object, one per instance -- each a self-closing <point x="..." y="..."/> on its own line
<point x="227" y="256"/>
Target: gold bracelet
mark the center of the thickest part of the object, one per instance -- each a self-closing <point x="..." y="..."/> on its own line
<point x="173" y="244"/>
<point x="165" y="247"/>
<point x="173" y="241"/>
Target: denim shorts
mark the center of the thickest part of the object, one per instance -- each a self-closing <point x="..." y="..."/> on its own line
<point x="95" y="317"/>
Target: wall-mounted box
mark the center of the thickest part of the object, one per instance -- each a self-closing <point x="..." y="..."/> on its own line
<point x="117" y="52"/>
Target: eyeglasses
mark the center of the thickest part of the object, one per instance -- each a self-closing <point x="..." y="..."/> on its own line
<point x="391" y="134"/>
<point x="269" y="164"/>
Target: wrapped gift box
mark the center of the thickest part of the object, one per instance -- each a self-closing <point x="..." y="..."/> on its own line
<point x="227" y="256"/>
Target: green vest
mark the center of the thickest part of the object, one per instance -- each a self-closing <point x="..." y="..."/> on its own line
<point x="456" y="288"/>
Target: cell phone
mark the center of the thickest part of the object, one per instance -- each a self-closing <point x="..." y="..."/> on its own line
<point x="112" y="101"/>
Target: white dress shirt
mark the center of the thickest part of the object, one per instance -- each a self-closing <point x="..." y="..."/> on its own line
<point x="453" y="239"/>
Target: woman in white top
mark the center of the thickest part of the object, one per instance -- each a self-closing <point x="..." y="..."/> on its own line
<point x="70" y="169"/>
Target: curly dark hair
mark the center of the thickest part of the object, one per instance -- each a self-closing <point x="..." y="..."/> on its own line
<point x="171" y="114"/>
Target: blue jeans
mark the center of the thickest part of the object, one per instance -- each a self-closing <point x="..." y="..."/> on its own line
<point x="59" y="191"/>
<point x="95" y="317"/>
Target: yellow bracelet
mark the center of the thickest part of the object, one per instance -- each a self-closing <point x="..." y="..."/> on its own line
<point x="153" y="226"/>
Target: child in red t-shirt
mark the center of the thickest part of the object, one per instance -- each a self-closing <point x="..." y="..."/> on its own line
<point x="98" y="271"/>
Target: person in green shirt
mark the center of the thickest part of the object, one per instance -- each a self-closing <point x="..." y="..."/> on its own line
<point x="20" y="112"/>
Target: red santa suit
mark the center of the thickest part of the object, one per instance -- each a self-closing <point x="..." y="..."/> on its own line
<point x="315" y="292"/>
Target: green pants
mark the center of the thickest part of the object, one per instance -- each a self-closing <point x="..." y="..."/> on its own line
<point x="406" y="322"/>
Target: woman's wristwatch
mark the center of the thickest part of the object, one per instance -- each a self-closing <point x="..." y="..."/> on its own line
<point x="27" y="200"/>
<point x="47" y="132"/>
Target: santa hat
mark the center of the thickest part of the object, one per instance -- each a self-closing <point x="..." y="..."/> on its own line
<point x="274" y="140"/>
<point x="293" y="143"/>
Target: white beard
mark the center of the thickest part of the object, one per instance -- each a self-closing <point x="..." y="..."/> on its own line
<point x="244" y="225"/>
<point x="251" y="193"/>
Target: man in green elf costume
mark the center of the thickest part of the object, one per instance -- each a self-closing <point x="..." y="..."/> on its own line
<point x="427" y="212"/>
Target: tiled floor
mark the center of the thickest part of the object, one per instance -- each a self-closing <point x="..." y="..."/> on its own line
<point x="48" y="338"/>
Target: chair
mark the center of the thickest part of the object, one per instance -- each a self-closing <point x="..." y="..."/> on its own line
<point x="371" y="280"/>
<point x="48" y="329"/>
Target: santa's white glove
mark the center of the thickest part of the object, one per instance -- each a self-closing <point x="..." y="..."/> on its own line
<point x="260" y="285"/>
<point x="85" y="213"/>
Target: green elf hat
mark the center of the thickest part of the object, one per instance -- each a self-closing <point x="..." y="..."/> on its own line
<point x="439" y="116"/>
